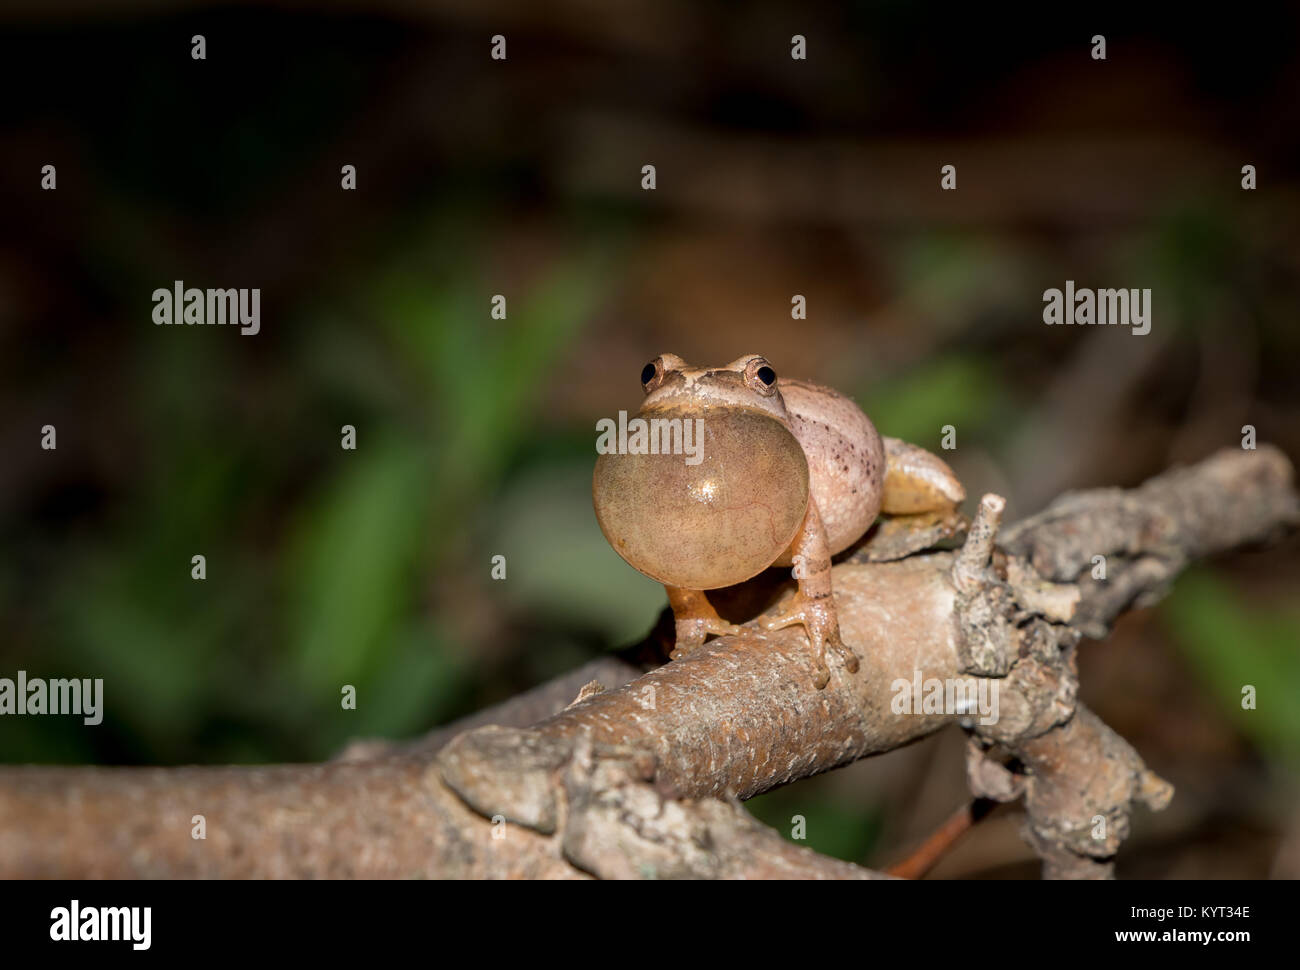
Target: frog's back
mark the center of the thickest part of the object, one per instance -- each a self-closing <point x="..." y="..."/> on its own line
<point x="846" y="459"/>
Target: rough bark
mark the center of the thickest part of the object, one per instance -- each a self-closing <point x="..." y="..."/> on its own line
<point x="644" y="780"/>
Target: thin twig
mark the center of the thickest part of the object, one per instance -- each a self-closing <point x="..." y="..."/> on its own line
<point x="925" y="856"/>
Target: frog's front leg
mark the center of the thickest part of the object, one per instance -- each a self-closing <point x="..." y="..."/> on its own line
<point x="695" y="618"/>
<point x="813" y="605"/>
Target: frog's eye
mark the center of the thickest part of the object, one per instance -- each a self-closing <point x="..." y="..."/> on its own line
<point x="654" y="373"/>
<point x="760" y="376"/>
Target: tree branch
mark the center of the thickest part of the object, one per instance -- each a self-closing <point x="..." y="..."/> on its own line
<point x="643" y="780"/>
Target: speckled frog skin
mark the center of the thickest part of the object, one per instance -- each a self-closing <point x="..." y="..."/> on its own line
<point x="788" y="474"/>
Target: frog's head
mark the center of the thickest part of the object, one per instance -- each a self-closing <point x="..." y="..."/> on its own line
<point x="747" y="382"/>
<point x="706" y="486"/>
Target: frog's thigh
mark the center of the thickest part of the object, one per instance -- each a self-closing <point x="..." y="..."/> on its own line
<point x="917" y="481"/>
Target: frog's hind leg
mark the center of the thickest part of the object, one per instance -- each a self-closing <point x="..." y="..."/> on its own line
<point x="917" y="481"/>
<point x="695" y="618"/>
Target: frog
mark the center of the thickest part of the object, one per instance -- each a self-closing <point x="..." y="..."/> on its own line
<point x="784" y="473"/>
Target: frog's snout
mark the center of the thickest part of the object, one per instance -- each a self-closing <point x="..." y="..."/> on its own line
<point x="700" y="499"/>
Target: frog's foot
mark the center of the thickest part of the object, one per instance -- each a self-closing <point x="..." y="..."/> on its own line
<point x="692" y="633"/>
<point x="695" y="619"/>
<point x="817" y="616"/>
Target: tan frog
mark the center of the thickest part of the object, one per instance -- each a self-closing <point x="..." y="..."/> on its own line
<point x="783" y="472"/>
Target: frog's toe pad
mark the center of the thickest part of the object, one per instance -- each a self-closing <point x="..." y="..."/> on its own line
<point x="850" y="658"/>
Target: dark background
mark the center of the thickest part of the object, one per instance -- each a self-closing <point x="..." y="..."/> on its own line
<point x="475" y="177"/>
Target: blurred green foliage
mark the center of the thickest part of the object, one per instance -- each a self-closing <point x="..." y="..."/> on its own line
<point x="830" y="825"/>
<point x="1233" y="644"/>
<point x="563" y="571"/>
<point x="249" y="664"/>
<point x="952" y="388"/>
